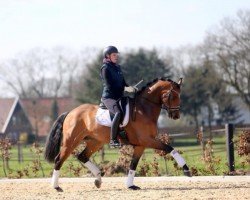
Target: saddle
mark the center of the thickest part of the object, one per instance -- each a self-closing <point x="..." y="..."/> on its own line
<point x="104" y="117"/>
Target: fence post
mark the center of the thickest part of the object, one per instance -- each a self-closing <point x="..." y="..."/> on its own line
<point x="202" y="142"/>
<point x="229" y="128"/>
<point x="20" y="151"/>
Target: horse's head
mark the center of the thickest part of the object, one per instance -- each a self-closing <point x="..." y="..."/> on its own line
<point x="170" y="98"/>
<point x="165" y="94"/>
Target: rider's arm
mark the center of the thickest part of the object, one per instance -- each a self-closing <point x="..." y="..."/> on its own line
<point x="106" y="77"/>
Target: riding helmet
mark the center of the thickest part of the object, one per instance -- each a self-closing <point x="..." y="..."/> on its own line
<point x="108" y="50"/>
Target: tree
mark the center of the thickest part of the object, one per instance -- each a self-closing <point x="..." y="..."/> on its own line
<point x="216" y="93"/>
<point x="204" y="88"/>
<point x="89" y="85"/>
<point x="229" y="46"/>
<point x="144" y="65"/>
<point x="40" y="73"/>
<point x="193" y="93"/>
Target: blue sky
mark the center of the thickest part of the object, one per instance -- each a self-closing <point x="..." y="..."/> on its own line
<point x="25" y="24"/>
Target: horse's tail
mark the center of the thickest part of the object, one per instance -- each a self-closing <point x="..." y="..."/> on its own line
<point x="54" y="139"/>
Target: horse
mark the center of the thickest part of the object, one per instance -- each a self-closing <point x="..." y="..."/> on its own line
<point x="79" y="125"/>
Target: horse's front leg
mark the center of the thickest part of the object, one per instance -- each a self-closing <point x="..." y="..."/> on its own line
<point x="138" y="151"/>
<point x="156" y="144"/>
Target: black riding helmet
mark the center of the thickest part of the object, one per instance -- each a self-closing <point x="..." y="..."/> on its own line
<point x="108" y="50"/>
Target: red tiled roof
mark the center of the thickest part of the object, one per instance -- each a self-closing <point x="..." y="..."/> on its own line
<point x="39" y="112"/>
<point x="6" y="109"/>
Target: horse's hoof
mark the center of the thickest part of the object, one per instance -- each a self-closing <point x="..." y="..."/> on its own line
<point x="98" y="183"/>
<point x="134" y="187"/>
<point x="187" y="173"/>
<point x="58" y="189"/>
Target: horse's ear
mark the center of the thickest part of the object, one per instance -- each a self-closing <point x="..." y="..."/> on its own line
<point x="180" y="81"/>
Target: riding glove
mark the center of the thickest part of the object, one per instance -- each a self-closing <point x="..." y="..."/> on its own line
<point x="130" y="89"/>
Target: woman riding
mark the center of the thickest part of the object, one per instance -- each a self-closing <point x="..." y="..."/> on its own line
<point x="113" y="87"/>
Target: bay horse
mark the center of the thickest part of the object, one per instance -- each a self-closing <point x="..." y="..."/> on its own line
<point x="79" y="125"/>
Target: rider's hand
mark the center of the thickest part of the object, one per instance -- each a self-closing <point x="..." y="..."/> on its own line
<point x="130" y="89"/>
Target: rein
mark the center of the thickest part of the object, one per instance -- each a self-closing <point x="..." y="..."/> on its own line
<point x="156" y="103"/>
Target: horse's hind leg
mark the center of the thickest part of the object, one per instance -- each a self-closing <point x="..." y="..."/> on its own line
<point x="68" y="145"/>
<point x="92" y="146"/>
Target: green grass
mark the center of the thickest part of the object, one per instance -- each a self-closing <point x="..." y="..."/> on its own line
<point x="191" y="152"/>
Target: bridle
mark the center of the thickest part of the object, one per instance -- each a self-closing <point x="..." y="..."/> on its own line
<point x="169" y="96"/>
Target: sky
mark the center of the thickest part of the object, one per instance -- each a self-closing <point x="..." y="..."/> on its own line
<point x="27" y="24"/>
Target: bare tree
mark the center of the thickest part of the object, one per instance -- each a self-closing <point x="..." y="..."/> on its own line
<point x="41" y="73"/>
<point x="229" y="46"/>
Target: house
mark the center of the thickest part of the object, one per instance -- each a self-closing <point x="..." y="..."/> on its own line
<point x="14" y="122"/>
<point x="244" y="112"/>
<point x="42" y="112"/>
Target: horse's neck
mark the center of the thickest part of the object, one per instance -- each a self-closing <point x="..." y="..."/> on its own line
<point x="149" y="103"/>
<point x="152" y="93"/>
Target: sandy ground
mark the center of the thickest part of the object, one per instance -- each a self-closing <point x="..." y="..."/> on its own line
<point x="209" y="187"/>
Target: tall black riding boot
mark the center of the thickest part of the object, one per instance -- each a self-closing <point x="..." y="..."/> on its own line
<point x="114" y="130"/>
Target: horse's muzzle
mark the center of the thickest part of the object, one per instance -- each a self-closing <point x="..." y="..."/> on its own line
<point x="174" y="114"/>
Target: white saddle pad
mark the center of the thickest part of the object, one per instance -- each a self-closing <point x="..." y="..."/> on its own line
<point x="103" y="117"/>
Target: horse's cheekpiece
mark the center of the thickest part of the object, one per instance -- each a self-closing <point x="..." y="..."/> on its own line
<point x="103" y="117"/>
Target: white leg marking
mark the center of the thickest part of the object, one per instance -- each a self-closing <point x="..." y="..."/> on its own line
<point x="130" y="179"/>
<point x="180" y="161"/>
<point x="94" y="169"/>
<point x="55" y="178"/>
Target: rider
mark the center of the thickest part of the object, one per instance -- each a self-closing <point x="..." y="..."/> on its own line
<point x="113" y="87"/>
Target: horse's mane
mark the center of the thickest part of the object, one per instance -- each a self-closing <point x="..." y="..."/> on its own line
<point x="154" y="81"/>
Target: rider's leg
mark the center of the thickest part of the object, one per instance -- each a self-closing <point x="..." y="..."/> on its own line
<point x="115" y="109"/>
<point x="114" y="130"/>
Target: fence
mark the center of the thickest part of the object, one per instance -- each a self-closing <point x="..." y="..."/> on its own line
<point x="229" y="131"/>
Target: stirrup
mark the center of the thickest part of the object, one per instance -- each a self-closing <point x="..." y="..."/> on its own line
<point x="114" y="144"/>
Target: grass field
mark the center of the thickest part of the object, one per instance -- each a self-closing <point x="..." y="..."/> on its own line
<point x="191" y="152"/>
